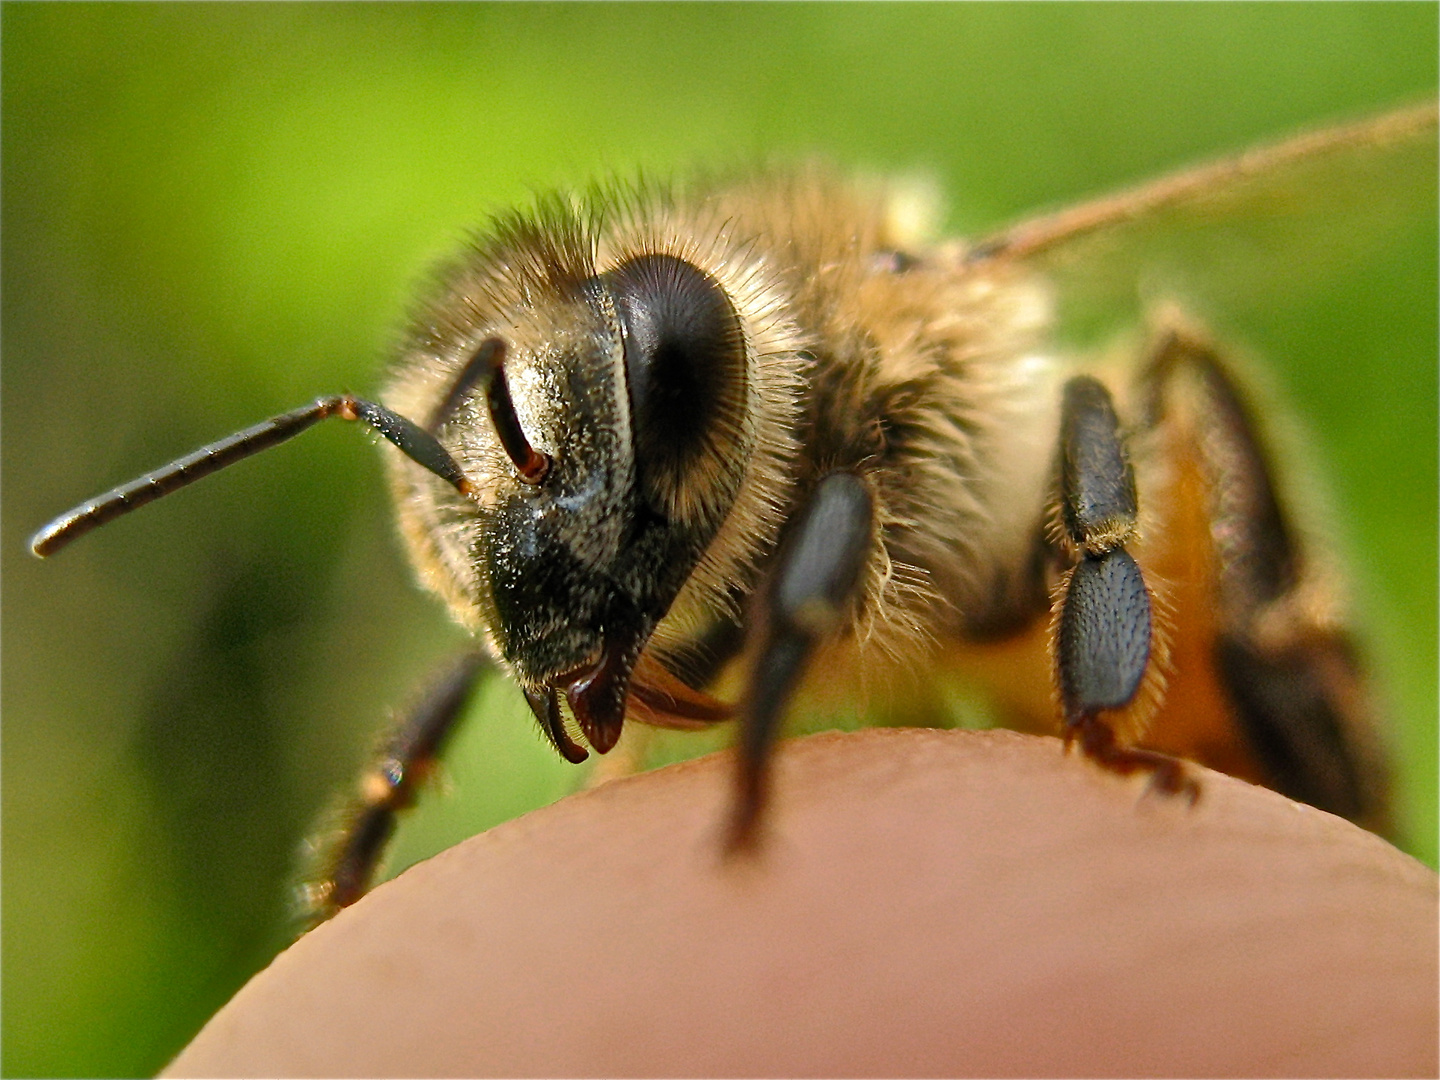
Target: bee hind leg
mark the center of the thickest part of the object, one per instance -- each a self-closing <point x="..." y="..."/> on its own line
<point x="813" y="582"/>
<point x="1280" y="650"/>
<point x="1103" y="628"/>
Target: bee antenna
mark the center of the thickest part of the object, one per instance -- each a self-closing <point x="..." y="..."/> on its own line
<point x="415" y="443"/>
<point x="487" y="367"/>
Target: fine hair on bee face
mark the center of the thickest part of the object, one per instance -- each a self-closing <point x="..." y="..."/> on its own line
<point x="650" y="436"/>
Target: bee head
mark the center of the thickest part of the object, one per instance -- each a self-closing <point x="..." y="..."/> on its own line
<point x="606" y="437"/>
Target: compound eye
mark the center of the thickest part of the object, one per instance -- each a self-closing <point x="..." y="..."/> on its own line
<point x="486" y="369"/>
<point x="685" y="366"/>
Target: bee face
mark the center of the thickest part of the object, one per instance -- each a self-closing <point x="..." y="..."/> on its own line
<point x="630" y="380"/>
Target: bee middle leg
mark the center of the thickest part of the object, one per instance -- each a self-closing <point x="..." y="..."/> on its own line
<point x="813" y="582"/>
<point x="1103" y="633"/>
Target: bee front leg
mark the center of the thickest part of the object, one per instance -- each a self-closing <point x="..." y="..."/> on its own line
<point x="812" y="585"/>
<point x="346" y="859"/>
<point x="1103" y="632"/>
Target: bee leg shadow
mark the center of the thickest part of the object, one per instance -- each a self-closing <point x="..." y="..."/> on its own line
<point x="810" y="590"/>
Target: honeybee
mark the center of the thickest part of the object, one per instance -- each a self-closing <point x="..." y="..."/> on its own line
<point x="651" y="442"/>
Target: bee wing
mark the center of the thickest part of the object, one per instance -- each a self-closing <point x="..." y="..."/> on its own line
<point x="1281" y="218"/>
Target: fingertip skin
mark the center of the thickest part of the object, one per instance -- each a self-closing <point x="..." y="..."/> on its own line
<point x="925" y="903"/>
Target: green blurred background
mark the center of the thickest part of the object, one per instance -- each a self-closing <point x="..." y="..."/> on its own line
<point x="215" y="212"/>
